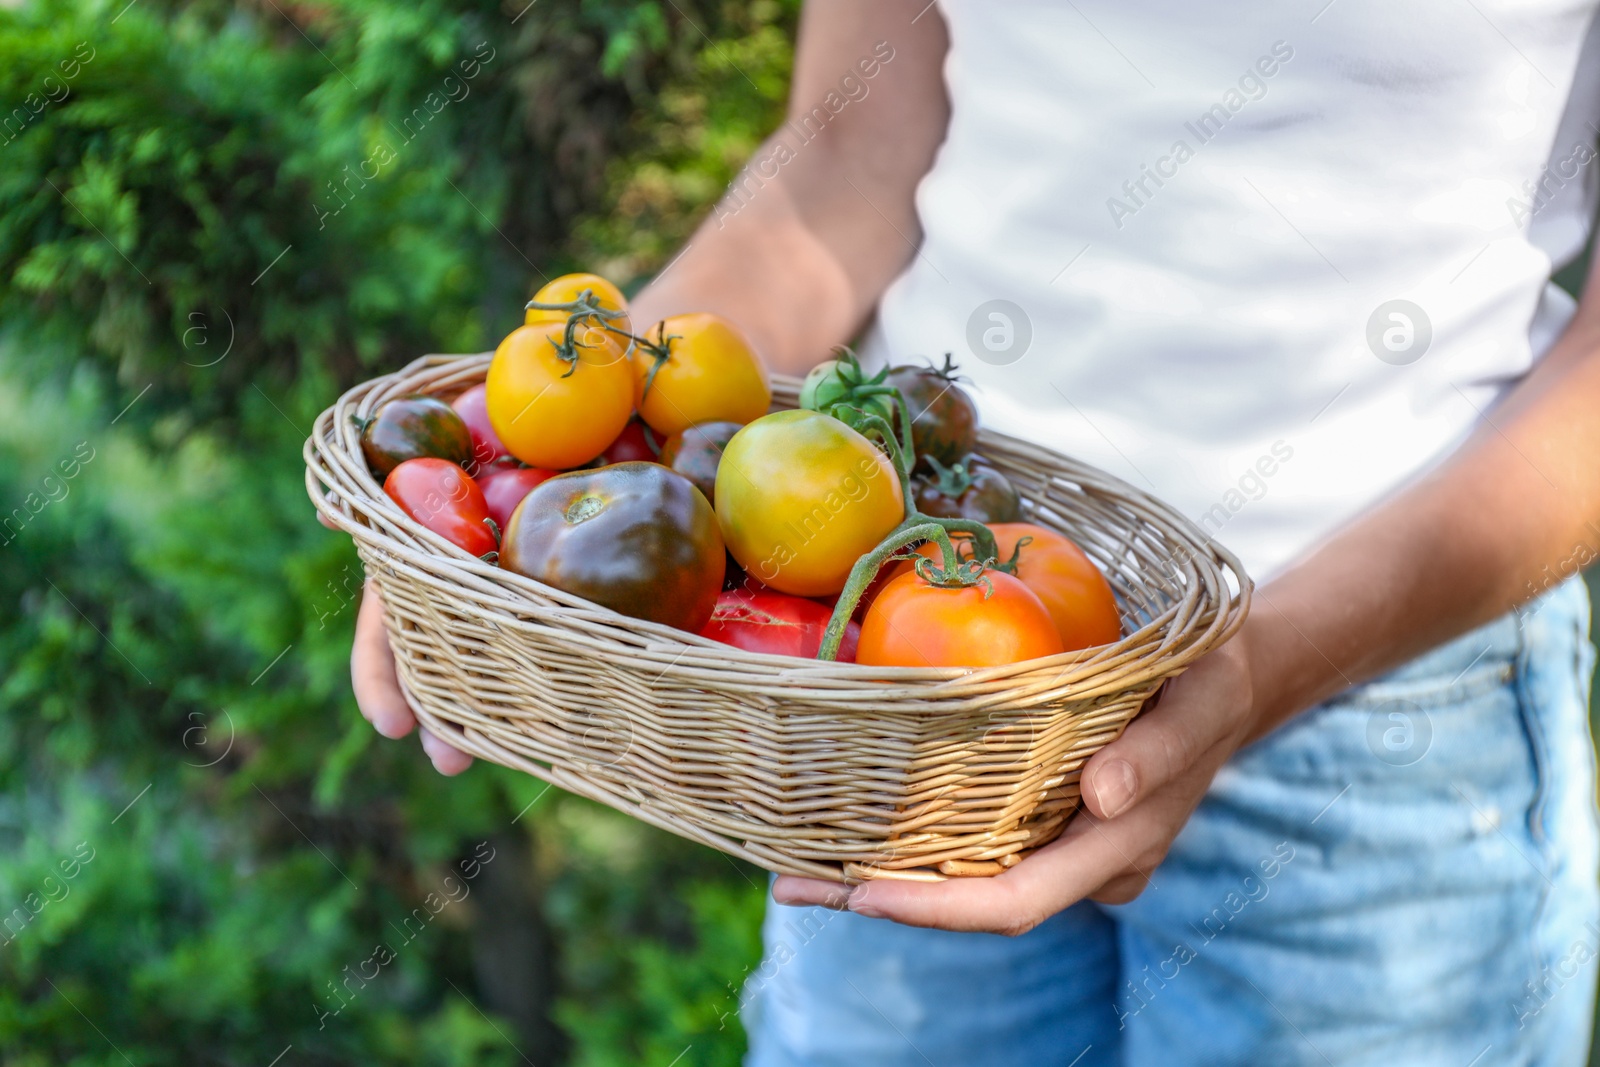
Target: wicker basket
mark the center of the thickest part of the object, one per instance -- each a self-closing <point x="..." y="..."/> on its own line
<point x="836" y="771"/>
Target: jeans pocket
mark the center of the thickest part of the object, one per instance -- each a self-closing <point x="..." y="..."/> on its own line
<point x="1530" y="694"/>
<point x="1553" y="670"/>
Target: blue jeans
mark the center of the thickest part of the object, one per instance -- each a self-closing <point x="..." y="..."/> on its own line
<point x="1405" y="875"/>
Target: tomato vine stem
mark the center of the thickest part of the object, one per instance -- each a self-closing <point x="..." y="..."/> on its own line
<point x="915" y="527"/>
<point x="866" y="569"/>
<point x="659" y="351"/>
<point x="583" y="311"/>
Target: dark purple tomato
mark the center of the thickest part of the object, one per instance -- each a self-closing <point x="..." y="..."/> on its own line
<point x="970" y="489"/>
<point x="696" y="452"/>
<point x="733" y="575"/>
<point x="414" y="427"/>
<point x="634" y="537"/>
<point x="944" y="420"/>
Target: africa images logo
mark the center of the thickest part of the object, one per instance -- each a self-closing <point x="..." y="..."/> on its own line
<point x="999" y="332"/>
<point x="1399" y="332"/>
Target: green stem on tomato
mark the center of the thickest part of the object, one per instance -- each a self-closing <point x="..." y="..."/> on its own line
<point x="984" y="547"/>
<point x="898" y="442"/>
<point x="915" y="527"/>
<point x="587" y="304"/>
<point x="585" y="307"/>
<point x="866" y="569"/>
<point x="900" y="453"/>
<point x="659" y="351"/>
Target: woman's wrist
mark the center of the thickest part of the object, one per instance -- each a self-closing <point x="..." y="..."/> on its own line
<point x="1289" y="670"/>
<point x="1265" y="658"/>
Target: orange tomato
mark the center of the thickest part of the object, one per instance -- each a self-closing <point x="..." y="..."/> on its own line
<point x="915" y="624"/>
<point x="711" y="375"/>
<point x="568" y="288"/>
<point x="1072" y="588"/>
<point x="552" y="413"/>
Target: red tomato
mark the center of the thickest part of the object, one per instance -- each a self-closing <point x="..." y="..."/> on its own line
<point x="762" y="620"/>
<point x="438" y="494"/>
<point x="504" y="487"/>
<point x="474" y="411"/>
<point x="916" y="624"/>
<point x="633" y="443"/>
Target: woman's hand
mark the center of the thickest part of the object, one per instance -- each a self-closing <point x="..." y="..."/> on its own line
<point x="377" y="687"/>
<point x="1138" y="791"/>
<point x="378" y="694"/>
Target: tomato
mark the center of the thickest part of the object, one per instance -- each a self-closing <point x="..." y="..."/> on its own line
<point x="916" y="624"/>
<point x="778" y="624"/>
<point x="633" y="443"/>
<point x="411" y="427"/>
<point x="504" y="487"/>
<point x="473" y="408"/>
<point x="800" y="497"/>
<point x="634" y="537"/>
<point x="969" y="490"/>
<point x="555" y="413"/>
<point x="944" y="420"/>
<point x="1072" y="588"/>
<point x="440" y="495"/>
<point x="567" y="288"/>
<point x="711" y="375"/>
<point x="696" y="453"/>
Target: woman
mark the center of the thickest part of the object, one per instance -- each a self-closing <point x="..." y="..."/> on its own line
<point x="1290" y="272"/>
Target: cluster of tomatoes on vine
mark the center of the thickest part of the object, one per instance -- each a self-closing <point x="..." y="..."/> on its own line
<point x="644" y="472"/>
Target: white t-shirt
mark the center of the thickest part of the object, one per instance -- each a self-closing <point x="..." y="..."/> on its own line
<point x="1203" y="212"/>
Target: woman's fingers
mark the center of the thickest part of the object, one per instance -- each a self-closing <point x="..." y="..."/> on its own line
<point x="1207" y="707"/>
<point x="446" y="760"/>
<point x="372" y="674"/>
<point x="1068" y="869"/>
<point x="1107" y="861"/>
<point x="799" y="891"/>
<point x="383" y="703"/>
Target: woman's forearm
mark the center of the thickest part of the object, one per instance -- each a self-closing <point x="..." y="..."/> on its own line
<point x="821" y="220"/>
<point x="769" y="274"/>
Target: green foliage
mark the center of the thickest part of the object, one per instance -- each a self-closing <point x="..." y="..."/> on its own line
<point x="689" y="144"/>
<point x="212" y="219"/>
<point x="680" y="958"/>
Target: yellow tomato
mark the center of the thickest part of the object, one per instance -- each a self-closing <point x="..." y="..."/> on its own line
<point x="550" y="412"/>
<point x="711" y="375"/>
<point x="567" y="288"/>
<point x="800" y="497"/>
